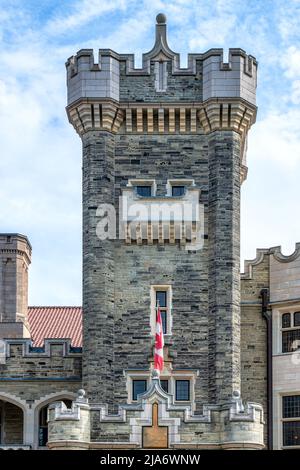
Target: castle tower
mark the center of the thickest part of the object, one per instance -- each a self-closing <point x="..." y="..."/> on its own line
<point x="156" y="137"/>
<point x="15" y="258"/>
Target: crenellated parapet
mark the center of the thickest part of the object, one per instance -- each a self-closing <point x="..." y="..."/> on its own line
<point x="233" y="79"/>
<point x="20" y="361"/>
<point x="15" y="258"/>
<point x="273" y="252"/>
<point x="155" y="421"/>
<point x="250" y="264"/>
<point x="52" y="347"/>
<point x="69" y="428"/>
<point x="162" y="97"/>
<point x="161" y="83"/>
<point x="282" y="271"/>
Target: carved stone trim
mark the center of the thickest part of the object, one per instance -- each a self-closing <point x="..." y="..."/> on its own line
<point x="87" y="115"/>
<point x="223" y="114"/>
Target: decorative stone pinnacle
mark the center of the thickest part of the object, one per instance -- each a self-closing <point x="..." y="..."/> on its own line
<point x="155" y="374"/>
<point x="81" y="393"/>
<point x="238" y="403"/>
<point x="81" y="396"/>
<point x="161" y="18"/>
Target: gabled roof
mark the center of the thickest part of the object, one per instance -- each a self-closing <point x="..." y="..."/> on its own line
<point x="55" y="322"/>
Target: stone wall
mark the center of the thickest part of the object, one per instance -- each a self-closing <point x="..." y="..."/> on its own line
<point x="254" y="335"/>
<point x="33" y="373"/>
<point x="15" y="257"/>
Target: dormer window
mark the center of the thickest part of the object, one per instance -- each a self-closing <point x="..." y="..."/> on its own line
<point x="178" y="191"/>
<point x="144" y="191"/>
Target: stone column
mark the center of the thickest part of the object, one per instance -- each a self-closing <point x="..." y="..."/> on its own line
<point x="29" y="427"/>
<point x="224" y="264"/>
<point x="226" y="122"/>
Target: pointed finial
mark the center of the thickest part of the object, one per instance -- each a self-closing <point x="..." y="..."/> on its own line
<point x="161" y="18"/>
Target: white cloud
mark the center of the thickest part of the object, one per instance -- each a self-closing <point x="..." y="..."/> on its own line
<point x="288" y="19"/>
<point x="295" y="94"/>
<point x="276" y="139"/>
<point x="291" y="62"/>
<point x="40" y="167"/>
<point x="270" y="196"/>
<point x="40" y="187"/>
<point x="83" y="12"/>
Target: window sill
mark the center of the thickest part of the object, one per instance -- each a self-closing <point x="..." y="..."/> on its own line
<point x="290" y="447"/>
<point x="286" y="353"/>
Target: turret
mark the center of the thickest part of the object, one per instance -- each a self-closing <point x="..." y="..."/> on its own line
<point x="15" y="258"/>
<point x="162" y="135"/>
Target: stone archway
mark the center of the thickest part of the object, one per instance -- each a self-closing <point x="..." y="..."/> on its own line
<point x="12" y="420"/>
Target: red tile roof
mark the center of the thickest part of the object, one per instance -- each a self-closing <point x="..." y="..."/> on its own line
<point x="55" y="322"/>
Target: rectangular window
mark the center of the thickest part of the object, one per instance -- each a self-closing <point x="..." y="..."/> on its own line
<point x="164" y="385"/>
<point x="163" y="314"/>
<point x="290" y="324"/>
<point x="138" y="387"/>
<point x="178" y="191"/>
<point x="144" y="191"/>
<point x="291" y="420"/>
<point x="286" y="320"/>
<point x="182" y="390"/>
<point x="161" y="295"/>
<point x="291" y="406"/>
<point x="162" y="301"/>
<point x="297" y="319"/>
<point x="291" y="433"/>
<point x="161" y="298"/>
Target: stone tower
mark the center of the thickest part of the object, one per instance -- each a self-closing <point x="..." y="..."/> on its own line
<point x="160" y="135"/>
<point x="15" y="258"/>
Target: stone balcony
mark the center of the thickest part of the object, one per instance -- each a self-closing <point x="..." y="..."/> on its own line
<point x="162" y="218"/>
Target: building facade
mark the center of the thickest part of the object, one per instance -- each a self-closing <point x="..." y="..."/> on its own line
<point x="271" y="331"/>
<point x="164" y="156"/>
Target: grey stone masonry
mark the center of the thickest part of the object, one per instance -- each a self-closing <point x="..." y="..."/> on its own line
<point x="98" y="267"/>
<point x="206" y="76"/>
<point x="230" y="426"/>
<point x="224" y="264"/>
<point x="154" y="125"/>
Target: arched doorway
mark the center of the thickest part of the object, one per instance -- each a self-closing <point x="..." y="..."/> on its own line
<point x="11" y="424"/>
<point x="43" y="424"/>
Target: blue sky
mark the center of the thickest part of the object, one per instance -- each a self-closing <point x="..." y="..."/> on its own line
<point x="40" y="163"/>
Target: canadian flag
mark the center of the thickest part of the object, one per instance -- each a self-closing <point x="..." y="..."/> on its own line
<point x="159" y="343"/>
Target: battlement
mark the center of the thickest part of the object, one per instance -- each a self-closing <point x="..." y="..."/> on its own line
<point x="87" y="79"/>
<point x="228" y="426"/>
<point x="15" y="258"/>
<point x="15" y="244"/>
<point x="52" y="347"/>
<point x="115" y="77"/>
